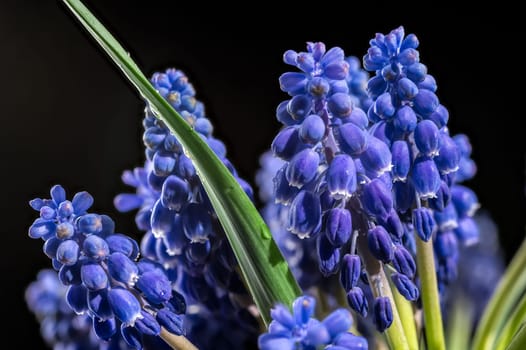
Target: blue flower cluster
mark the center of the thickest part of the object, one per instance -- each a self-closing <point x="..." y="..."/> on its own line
<point x="375" y="166"/>
<point x="183" y="232"/>
<point x="123" y="296"/>
<point x="60" y="326"/>
<point x="299" y="330"/>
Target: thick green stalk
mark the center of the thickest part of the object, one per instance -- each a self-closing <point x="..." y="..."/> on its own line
<point x="511" y="287"/>
<point x="264" y="269"/>
<point x="425" y="262"/>
<point x="512" y="325"/>
<point x="460" y="323"/>
<point x="177" y="342"/>
<point x="395" y="334"/>
<point x="407" y="317"/>
<point x="519" y="340"/>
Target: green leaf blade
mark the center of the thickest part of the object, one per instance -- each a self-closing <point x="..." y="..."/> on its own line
<point x="264" y="269"/>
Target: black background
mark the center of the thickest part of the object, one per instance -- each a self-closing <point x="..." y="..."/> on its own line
<point x="69" y="117"/>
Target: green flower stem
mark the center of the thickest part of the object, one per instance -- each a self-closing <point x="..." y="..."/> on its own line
<point x="425" y="262"/>
<point x="460" y="322"/>
<point x="177" y="342"/>
<point x="510" y="288"/>
<point x="519" y="340"/>
<point x="395" y="333"/>
<point x="514" y="323"/>
<point x="264" y="269"/>
<point x="407" y="317"/>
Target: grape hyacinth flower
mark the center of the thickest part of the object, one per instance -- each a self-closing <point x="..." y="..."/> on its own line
<point x="123" y="297"/>
<point x="362" y="184"/>
<point x="299" y="330"/>
<point x="183" y="232"/>
<point x="60" y="326"/>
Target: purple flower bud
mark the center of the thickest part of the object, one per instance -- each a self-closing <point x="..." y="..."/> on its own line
<point x="404" y="196"/>
<point x="440" y="116"/>
<point x="305" y="214"/>
<point x="377" y="199"/>
<point x="465" y="200"/>
<point x="93" y="276"/>
<point x="68" y="252"/>
<point x="405" y="286"/>
<point x="340" y="105"/>
<point x="376" y="86"/>
<point x="320" y="87"/>
<point x="357" y="301"/>
<point x="284" y="192"/>
<point x="337" y="70"/>
<point x="351" y="271"/>
<point x="425" y="177"/>
<point x="467" y="231"/>
<point x="383" y="106"/>
<point x="155" y="286"/>
<point x="383" y="313"/>
<point x="337" y="322"/>
<point x="175" y="193"/>
<point x="42" y="229"/>
<point x="273" y="341"/>
<point x="122" y="269"/>
<point x="377" y="157"/>
<point x="171" y="321"/>
<point x="90" y="223"/>
<point x="303" y="309"/>
<point x="302" y="168"/>
<point x="77" y="298"/>
<point x="380" y="244"/>
<point x="163" y="163"/>
<point x="68" y="274"/>
<point x="408" y="56"/>
<point x="341" y="176"/>
<point x="446" y="244"/>
<point x="123" y="244"/>
<point x="352" y="139"/>
<point x="153" y="137"/>
<point x="131" y="336"/>
<point x="401" y="160"/>
<point x="81" y="202"/>
<point x="328" y="256"/>
<point x="358" y="118"/>
<point x="305" y="62"/>
<point x="99" y="305"/>
<point x="416" y="72"/>
<point x="429" y="83"/>
<point x="427" y="138"/>
<point x="293" y="83"/>
<point x="58" y="194"/>
<point x="196" y="221"/>
<point x="282" y="315"/>
<point x="350" y="341"/>
<point x="424" y="223"/>
<point x="289" y="57"/>
<point x="287" y="143"/>
<point x="446" y="219"/>
<point x="425" y="103"/>
<point x="338" y="226"/>
<point x="299" y="107"/>
<point x="405" y="120"/>
<point x="393" y="225"/>
<point x="463" y="144"/>
<point x="104" y="329"/>
<point x="95" y="247"/>
<point x="175" y="241"/>
<point x="403" y="261"/>
<point x="125" y="202"/>
<point x="161" y="219"/>
<point x="442" y="199"/>
<point x="185" y="168"/>
<point x="125" y="305"/>
<point x="312" y="129"/>
<point x="147" y="324"/>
